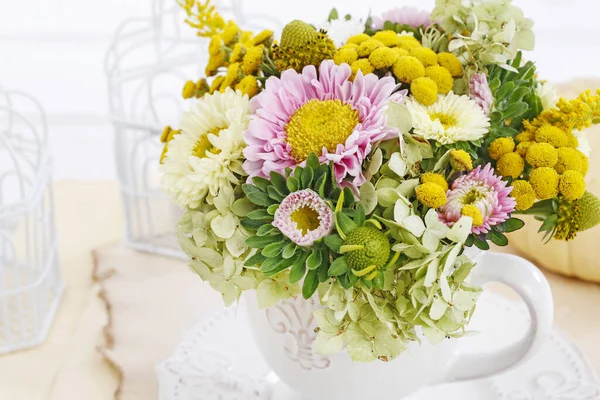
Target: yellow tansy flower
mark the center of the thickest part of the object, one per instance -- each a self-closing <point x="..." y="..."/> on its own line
<point x="451" y="63"/>
<point x="168" y="133"/>
<point x="231" y="33"/>
<point x="460" y="160"/>
<point x="585" y="163"/>
<point x="425" y="90"/>
<point x="500" y="147"/>
<point x="189" y="90"/>
<point x="358" y="39"/>
<point x="541" y="155"/>
<point x="216" y="84"/>
<point x="401" y="52"/>
<point x="568" y="159"/>
<point x="214" y="46"/>
<point x="349" y="46"/>
<point x="408" y="68"/>
<point x="525" y="136"/>
<point x="253" y="59"/>
<point x="544" y="182"/>
<point x="523" y="193"/>
<point x="263" y="37"/>
<point x="553" y="135"/>
<point x="425" y="55"/>
<point x="248" y="85"/>
<point x="362" y="65"/>
<point x="573" y="141"/>
<point x="408" y="42"/>
<point x="383" y="57"/>
<point x="523" y="147"/>
<point x="435" y="178"/>
<point x="472" y="211"/>
<point x="511" y="164"/>
<point x="442" y="77"/>
<point x="345" y="55"/>
<point x="572" y="185"/>
<point x="214" y="63"/>
<point x="237" y="53"/>
<point x="232" y="77"/>
<point x="388" y="38"/>
<point x="432" y="195"/>
<point x="366" y="48"/>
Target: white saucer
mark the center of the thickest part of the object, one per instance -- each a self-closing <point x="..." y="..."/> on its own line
<point x="217" y="360"/>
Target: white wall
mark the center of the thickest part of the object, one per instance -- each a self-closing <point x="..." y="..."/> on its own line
<point x="54" y="49"/>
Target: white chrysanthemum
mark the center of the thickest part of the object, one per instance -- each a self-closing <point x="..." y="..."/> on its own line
<point x="450" y="119"/>
<point x="547" y="95"/>
<point x="207" y="154"/>
<point x="340" y="30"/>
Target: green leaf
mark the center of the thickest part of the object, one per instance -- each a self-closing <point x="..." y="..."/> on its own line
<point x="293" y="183"/>
<point x="322" y="271"/>
<point x="251" y="224"/>
<point x="379" y="280"/>
<point x="270" y="264"/>
<point x="314" y="260"/>
<point x="260" y="198"/>
<point x="307" y="177"/>
<point x="333" y="242"/>
<point x="275" y="194"/>
<point x="513" y="224"/>
<point x="504" y="91"/>
<point x="359" y="215"/>
<point x="481" y="244"/>
<point x="258" y="242"/>
<point x="265" y="230"/>
<point x="260" y="215"/>
<point x="272" y="208"/>
<point x="256" y="259"/>
<point x="348" y="197"/>
<point x="248" y="188"/>
<point x="338" y="267"/>
<point x="320" y="185"/>
<point x="495" y="84"/>
<point x="279" y="182"/>
<point x="519" y="93"/>
<point x="312" y="161"/>
<point x="499" y="239"/>
<point x="344" y="223"/>
<point x="333" y="15"/>
<point x="261" y="183"/>
<point x="289" y="250"/>
<point x="515" y="110"/>
<point x="298" y="268"/>
<point x="311" y="282"/>
<point x="272" y="250"/>
<point x="280" y="266"/>
<point x="470" y="240"/>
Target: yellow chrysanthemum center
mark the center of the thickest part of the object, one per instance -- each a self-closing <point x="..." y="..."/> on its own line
<point x="432" y="195"/>
<point x="523" y="194"/>
<point x="472" y="211"/>
<point x="306" y="219"/>
<point x="319" y="124"/>
<point x="203" y="145"/>
<point x="460" y="160"/>
<point x="447" y="120"/>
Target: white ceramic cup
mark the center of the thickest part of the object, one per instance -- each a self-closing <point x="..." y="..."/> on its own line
<point x="285" y="334"/>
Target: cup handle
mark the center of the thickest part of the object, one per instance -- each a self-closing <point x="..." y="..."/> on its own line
<point x="525" y="279"/>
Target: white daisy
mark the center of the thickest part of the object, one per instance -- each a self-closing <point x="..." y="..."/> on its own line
<point x="547" y="94"/>
<point x="451" y="119"/>
<point x="340" y="30"/>
<point x="207" y="154"/>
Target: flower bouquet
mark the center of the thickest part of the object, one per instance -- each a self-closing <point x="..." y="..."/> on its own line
<point x="353" y="162"/>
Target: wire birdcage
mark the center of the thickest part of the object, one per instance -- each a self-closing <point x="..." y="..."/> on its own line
<point x="147" y="65"/>
<point x="30" y="281"/>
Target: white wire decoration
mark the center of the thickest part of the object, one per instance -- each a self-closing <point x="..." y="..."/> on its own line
<point x="30" y="282"/>
<point x="147" y="65"/>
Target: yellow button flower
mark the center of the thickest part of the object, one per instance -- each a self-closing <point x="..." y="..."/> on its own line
<point x="349" y="46"/>
<point x="253" y="59"/>
<point x="388" y="38"/>
<point x="189" y="90"/>
<point x="472" y="211"/>
<point x="553" y="135"/>
<point x="358" y="39"/>
<point x="451" y="63"/>
<point x="524" y="194"/>
<point x="214" y="46"/>
<point x="263" y="37"/>
<point x="237" y="53"/>
<point x="585" y="163"/>
<point x="345" y="55"/>
<point x="511" y="164"/>
<point x="425" y="90"/>
<point x="542" y="155"/>
<point x="573" y="141"/>
<point x="366" y="48"/>
<point x="408" y="68"/>
<point x="544" y="182"/>
<point x="408" y="42"/>
<point x="500" y="147"/>
<point x="442" y="77"/>
<point x="383" y="57"/>
<point x="460" y="160"/>
<point x="233" y="76"/>
<point x="425" y="55"/>
<point x="525" y="136"/>
<point x="572" y="185"/>
<point x="231" y="33"/>
<point x="216" y="84"/>
<point x="568" y="159"/>
<point x="432" y="195"/>
<point x="363" y="65"/>
<point x="401" y="52"/>
<point x="248" y="85"/>
<point x="522" y="148"/>
<point x="435" y="178"/>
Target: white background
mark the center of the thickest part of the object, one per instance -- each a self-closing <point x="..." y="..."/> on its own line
<point x="54" y="49"/>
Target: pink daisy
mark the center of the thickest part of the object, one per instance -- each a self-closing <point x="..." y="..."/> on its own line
<point x="486" y="191"/>
<point x="328" y="114"/>
<point x="404" y="16"/>
<point x="479" y="91"/>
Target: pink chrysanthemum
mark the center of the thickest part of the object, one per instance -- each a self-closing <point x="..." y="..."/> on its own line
<point x="479" y="91"/>
<point x="404" y="16"/>
<point x="304" y="217"/>
<point x="484" y="190"/>
<point x="329" y="115"/>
